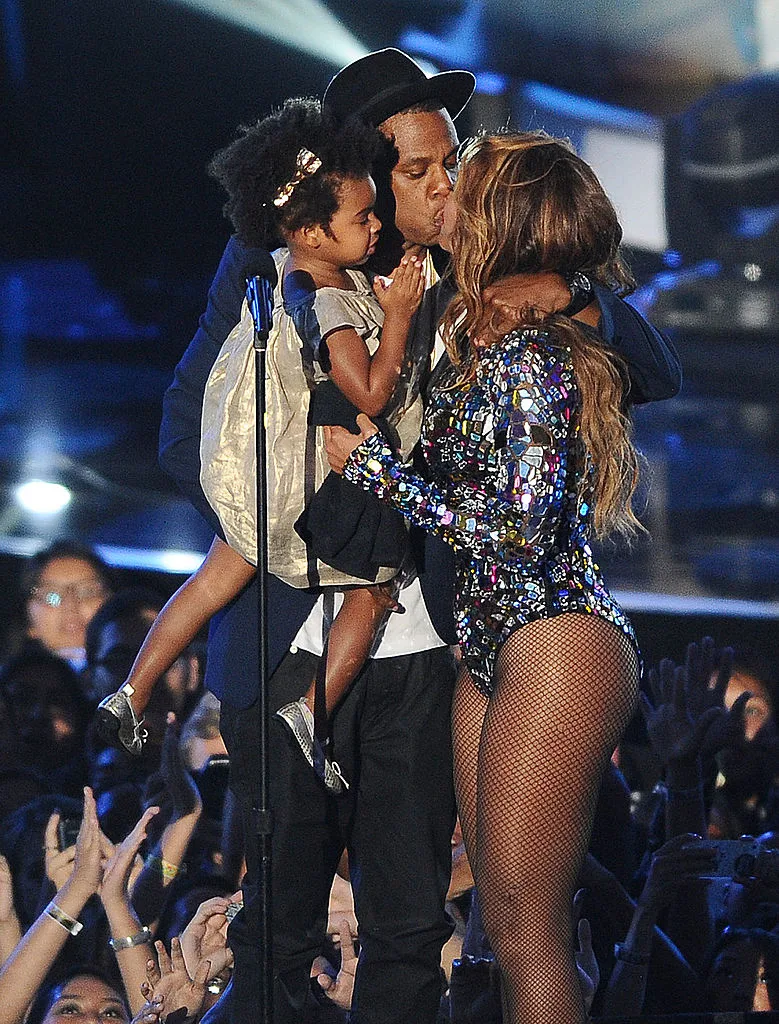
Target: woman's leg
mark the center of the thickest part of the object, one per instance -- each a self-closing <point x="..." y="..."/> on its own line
<point x="468" y="710"/>
<point x="565" y="690"/>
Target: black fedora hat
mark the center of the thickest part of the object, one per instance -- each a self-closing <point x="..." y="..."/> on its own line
<point x="380" y="84"/>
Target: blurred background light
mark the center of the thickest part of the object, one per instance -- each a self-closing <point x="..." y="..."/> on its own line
<point x="305" y="25"/>
<point x="42" y="497"/>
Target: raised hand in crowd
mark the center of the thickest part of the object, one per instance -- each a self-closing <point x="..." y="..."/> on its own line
<point x="205" y="937"/>
<point x="686" y="722"/>
<point x="10" y="929"/>
<point x="129" y="939"/>
<point x="174" y="789"/>
<point x="169" y="989"/>
<point x="26" y="968"/>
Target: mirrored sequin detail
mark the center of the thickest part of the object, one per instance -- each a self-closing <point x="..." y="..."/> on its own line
<point x="504" y="461"/>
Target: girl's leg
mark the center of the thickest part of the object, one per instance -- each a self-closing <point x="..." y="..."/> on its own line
<point x="351" y="638"/>
<point x="565" y="690"/>
<point x="349" y="644"/>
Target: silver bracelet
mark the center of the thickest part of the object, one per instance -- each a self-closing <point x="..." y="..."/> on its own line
<point x="70" y="924"/>
<point x="139" y="939"/>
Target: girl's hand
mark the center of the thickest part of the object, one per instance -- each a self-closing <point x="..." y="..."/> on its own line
<point x="340" y="443"/>
<point x="400" y="294"/>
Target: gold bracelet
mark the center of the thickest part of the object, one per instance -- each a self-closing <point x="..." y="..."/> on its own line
<point x="139" y="939"/>
<point x="166" y="869"/>
<point x="70" y="924"/>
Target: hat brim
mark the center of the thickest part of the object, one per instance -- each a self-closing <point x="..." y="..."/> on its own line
<point x="452" y="89"/>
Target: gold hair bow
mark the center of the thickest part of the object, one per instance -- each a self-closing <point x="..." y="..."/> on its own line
<point x="307" y="164"/>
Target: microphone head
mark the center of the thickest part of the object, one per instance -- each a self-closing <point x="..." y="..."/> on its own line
<point x="260" y="264"/>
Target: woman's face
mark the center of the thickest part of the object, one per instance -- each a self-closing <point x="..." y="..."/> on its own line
<point x="84" y="998"/>
<point x="449" y="221"/>
<point x="68" y="593"/>
<point x="758" y="709"/>
<point x="740" y="980"/>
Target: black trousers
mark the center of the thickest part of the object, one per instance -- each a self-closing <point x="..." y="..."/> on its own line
<point x="391" y="737"/>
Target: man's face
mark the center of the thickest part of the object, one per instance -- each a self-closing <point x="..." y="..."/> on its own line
<point x="424" y="174"/>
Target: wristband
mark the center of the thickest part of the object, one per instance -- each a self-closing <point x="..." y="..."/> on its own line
<point x="581" y="294"/>
<point x="165" y="868"/>
<point x="139" y="939"/>
<point x="70" y="924"/>
<point x="627" y="956"/>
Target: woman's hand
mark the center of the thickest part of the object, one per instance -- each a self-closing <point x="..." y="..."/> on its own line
<point x="58" y="863"/>
<point x="168" y="986"/>
<point x="89" y="856"/>
<point x="205" y="937"/>
<point x="122" y="860"/>
<point x="340" y="443"/>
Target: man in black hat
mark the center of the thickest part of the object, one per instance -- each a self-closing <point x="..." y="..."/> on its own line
<point x="391" y="732"/>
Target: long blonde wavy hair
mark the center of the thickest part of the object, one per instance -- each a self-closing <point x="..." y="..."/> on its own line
<point x="527" y="203"/>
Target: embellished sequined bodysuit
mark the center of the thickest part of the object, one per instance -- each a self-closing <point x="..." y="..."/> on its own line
<point x="505" y="464"/>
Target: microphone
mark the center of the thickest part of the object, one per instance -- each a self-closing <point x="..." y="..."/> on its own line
<point x="261" y="278"/>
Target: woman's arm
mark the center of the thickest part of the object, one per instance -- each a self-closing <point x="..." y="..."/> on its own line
<point x="26" y="968"/>
<point x="468" y="516"/>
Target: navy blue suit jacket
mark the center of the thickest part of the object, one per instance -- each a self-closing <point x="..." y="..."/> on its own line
<point x="233" y="665"/>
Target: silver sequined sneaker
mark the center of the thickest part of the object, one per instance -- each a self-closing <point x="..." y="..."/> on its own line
<point x="299" y="718"/>
<point x="118" y="723"/>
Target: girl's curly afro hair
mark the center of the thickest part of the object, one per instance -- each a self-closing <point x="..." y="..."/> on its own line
<point x="263" y="158"/>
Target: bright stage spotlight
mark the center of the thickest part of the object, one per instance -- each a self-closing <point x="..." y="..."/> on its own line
<point x="42" y="498"/>
<point x="306" y="25"/>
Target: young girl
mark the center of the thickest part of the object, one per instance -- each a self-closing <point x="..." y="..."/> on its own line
<point x="294" y="175"/>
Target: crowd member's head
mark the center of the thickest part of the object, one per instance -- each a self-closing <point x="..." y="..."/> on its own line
<point x="753" y="672"/>
<point x="63" y="587"/>
<point x="744" y="974"/>
<point x="297" y="176"/>
<point x="113" y="639"/>
<point x="83" y="994"/>
<point x="46" y="710"/>
<point x="415" y="113"/>
<point x="200" y="736"/>
<point x="524" y="202"/>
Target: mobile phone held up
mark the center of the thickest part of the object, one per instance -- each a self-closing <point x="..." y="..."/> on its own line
<point x="67" y="832"/>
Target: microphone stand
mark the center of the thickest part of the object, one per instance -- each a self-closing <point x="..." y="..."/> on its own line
<point x="259" y="295"/>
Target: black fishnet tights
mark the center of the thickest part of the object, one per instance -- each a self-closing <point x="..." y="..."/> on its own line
<point x="528" y="763"/>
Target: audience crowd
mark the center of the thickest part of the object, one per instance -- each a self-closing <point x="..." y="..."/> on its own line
<point x="119" y="874"/>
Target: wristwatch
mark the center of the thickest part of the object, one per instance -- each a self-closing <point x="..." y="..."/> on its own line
<point x="581" y="294"/>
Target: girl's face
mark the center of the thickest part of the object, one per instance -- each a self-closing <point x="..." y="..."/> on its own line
<point x="354" y="228"/>
<point x="84" y="998"/>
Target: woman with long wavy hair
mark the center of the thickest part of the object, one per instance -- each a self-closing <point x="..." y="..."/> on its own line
<point x="528" y="453"/>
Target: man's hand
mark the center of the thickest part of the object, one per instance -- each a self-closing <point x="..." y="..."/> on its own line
<point x="338" y="987"/>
